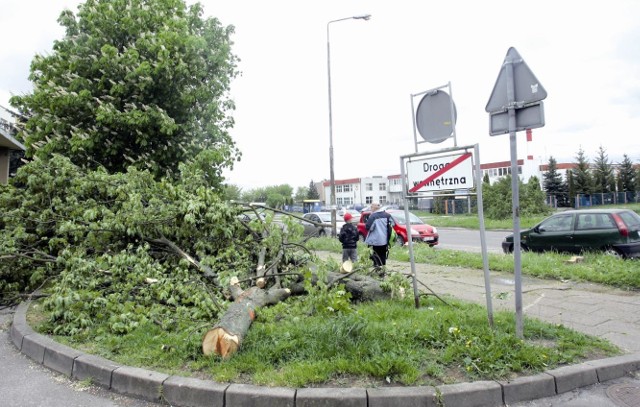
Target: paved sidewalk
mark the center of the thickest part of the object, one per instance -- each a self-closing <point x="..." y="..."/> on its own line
<point x="608" y="313"/>
<point x="597" y="310"/>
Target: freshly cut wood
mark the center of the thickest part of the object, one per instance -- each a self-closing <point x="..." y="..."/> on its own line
<point x="226" y="337"/>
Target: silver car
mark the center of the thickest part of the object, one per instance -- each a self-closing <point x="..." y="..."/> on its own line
<point x="319" y="223"/>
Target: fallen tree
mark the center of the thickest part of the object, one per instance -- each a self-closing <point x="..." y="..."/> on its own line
<point x="225" y="338"/>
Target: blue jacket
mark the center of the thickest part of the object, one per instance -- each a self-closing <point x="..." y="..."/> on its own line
<point x="378" y="226"/>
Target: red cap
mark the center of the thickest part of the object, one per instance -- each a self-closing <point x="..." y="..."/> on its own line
<point x="347" y="217"/>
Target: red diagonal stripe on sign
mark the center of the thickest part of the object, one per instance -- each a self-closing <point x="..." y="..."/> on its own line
<point x="441" y="171"/>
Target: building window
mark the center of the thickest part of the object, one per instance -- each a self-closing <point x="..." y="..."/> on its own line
<point x="368" y="186"/>
<point x="347" y="188"/>
<point x="368" y="200"/>
<point x="383" y="200"/>
<point x="338" y="188"/>
<point x="382" y="186"/>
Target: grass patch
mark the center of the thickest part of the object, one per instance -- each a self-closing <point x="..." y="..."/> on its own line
<point x="374" y="344"/>
<point x="596" y="268"/>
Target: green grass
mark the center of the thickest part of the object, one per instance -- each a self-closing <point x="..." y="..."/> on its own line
<point x="596" y="267"/>
<point x="377" y="343"/>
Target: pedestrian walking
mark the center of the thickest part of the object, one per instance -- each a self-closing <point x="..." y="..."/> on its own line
<point x="348" y="236"/>
<point x="379" y="226"/>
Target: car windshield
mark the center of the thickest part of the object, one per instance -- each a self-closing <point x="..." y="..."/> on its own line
<point x="399" y="218"/>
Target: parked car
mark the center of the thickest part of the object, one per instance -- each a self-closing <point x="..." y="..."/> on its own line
<point x="319" y="224"/>
<point x="420" y="231"/>
<point x="355" y="215"/>
<point x="614" y="231"/>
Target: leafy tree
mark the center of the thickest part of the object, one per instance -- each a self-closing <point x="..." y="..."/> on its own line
<point x="603" y="176"/>
<point x="582" y="179"/>
<point x="571" y="188"/>
<point x="554" y="185"/>
<point x="497" y="198"/>
<point x="275" y="200"/>
<point x="232" y="192"/>
<point x="277" y="195"/>
<point x="313" y="192"/>
<point x="532" y="198"/>
<point x="133" y="82"/>
<point x="301" y="194"/>
<point x="626" y="175"/>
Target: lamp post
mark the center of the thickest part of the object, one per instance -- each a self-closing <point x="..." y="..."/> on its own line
<point x="364" y="17"/>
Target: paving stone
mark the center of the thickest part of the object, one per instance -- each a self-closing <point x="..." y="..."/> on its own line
<point x="34" y="346"/>
<point x="60" y="358"/>
<point x="615" y="367"/>
<point x="142" y="383"/>
<point x="95" y="368"/>
<point x="186" y="391"/>
<point x="424" y="396"/>
<point x="528" y="388"/>
<point x="331" y="397"/>
<point x="574" y="376"/>
<point x="245" y="395"/>
<point x="474" y="394"/>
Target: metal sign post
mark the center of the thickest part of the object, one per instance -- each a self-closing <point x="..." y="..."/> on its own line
<point x="448" y="171"/>
<point x="516" y="89"/>
<point x="420" y="172"/>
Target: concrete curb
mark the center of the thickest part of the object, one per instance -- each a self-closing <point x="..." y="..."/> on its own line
<point x="188" y="392"/>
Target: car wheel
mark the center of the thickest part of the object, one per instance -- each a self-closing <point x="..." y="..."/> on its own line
<point x="321" y="233"/>
<point x="361" y="238"/>
<point x="523" y="247"/>
<point x="399" y="241"/>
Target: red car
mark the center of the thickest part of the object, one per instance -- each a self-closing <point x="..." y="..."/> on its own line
<point x="420" y="231"/>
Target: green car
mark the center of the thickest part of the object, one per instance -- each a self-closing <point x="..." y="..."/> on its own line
<point x="614" y="231"/>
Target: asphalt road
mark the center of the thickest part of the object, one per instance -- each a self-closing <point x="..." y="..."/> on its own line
<point x="469" y="240"/>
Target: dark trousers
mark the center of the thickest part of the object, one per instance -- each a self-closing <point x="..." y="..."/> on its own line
<point x="379" y="255"/>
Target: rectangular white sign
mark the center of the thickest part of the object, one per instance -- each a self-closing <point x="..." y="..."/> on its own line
<point x="440" y="173"/>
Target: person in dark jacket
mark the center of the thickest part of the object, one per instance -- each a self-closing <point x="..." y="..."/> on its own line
<point x="349" y="238"/>
<point x="379" y="225"/>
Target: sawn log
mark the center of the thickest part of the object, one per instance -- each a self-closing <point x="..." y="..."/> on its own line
<point x="225" y="338"/>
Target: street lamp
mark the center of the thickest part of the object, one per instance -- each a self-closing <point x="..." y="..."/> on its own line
<point x="364" y="17"/>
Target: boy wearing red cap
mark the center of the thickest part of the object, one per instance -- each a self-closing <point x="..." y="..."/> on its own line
<point x="349" y="238"/>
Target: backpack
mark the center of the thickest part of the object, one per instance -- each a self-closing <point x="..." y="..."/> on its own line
<point x="392" y="234"/>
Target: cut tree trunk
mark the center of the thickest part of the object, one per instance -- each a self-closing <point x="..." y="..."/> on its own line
<point x="361" y="287"/>
<point x="225" y="338"/>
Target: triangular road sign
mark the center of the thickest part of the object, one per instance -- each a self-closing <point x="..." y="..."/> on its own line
<point x="527" y="88"/>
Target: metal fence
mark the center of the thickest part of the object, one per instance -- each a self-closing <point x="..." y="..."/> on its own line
<point x="610" y="198"/>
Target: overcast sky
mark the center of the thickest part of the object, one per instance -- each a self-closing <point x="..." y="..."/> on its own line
<point x="585" y="54"/>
